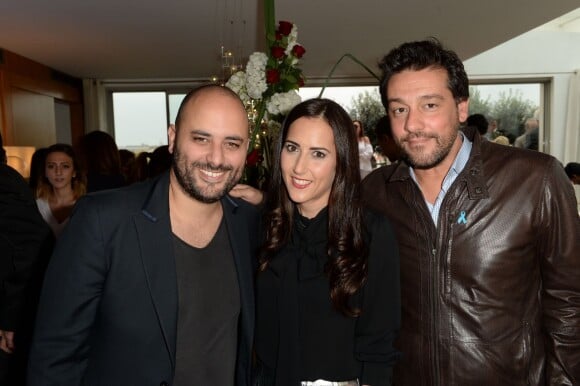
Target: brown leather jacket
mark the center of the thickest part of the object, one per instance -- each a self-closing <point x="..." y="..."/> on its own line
<point x="492" y="295"/>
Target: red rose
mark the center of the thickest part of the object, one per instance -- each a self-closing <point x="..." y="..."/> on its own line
<point x="300" y="82"/>
<point x="253" y="158"/>
<point x="272" y="76"/>
<point x="278" y="36"/>
<point x="285" y="27"/>
<point x="278" y="52"/>
<point x="298" y="51"/>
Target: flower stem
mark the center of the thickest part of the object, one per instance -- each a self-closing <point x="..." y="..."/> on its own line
<point x="257" y="125"/>
<point x="327" y="80"/>
<point x="269" y="18"/>
<point x="267" y="152"/>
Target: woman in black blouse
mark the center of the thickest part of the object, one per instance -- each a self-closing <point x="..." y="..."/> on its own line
<point x="328" y="305"/>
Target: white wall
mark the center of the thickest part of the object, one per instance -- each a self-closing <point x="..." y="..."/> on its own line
<point x="537" y="54"/>
<point x="63" y="122"/>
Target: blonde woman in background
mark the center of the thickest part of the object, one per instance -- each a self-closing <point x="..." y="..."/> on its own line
<point x="60" y="187"/>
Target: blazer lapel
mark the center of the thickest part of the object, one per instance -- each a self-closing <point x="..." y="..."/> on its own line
<point x="239" y="234"/>
<point x="156" y="249"/>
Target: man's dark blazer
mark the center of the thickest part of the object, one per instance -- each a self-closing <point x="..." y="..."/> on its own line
<point x="25" y="245"/>
<point x="108" y="309"/>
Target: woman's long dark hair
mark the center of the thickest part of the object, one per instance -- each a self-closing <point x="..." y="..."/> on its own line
<point x="347" y="264"/>
<point x="99" y="154"/>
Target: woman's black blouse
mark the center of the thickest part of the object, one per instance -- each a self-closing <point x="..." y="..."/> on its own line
<point x="301" y="337"/>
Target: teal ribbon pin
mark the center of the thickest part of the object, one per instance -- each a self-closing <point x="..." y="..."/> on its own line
<point x="462" y="219"/>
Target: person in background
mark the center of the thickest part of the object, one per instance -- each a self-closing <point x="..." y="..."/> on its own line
<point x="365" y="149"/>
<point x="61" y="185"/>
<point x="142" y="165"/>
<point x="379" y="158"/>
<point x="37" y="164"/>
<point x="159" y="161"/>
<point x="328" y="284"/>
<point x="152" y="164"/>
<point x="128" y="166"/>
<point x="529" y="139"/>
<point x="493" y="129"/>
<point x="479" y="121"/>
<point x="572" y="170"/>
<point x="99" y="157"/>
<point x="152" y="284"/>
<point x="386" y="141"/>
<point x="25" y="245"/>
<point x="488" y="237"/>
<point x="502" y="140"/>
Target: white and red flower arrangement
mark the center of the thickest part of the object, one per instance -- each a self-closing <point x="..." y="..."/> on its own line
<point x="268" y="88"/>
<point x="271" y="81"/>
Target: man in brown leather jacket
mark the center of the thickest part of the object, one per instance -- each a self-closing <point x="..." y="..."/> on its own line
<point x="489" y="239"/>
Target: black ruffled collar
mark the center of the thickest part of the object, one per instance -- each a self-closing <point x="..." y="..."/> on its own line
<point x="307" y="248"/>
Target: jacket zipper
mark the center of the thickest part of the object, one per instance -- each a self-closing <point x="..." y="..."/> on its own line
<point x="434" y="324"/>
<point x="427" y="223"/>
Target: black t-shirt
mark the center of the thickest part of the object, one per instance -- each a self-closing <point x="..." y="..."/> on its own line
<point x="209" y="308"/>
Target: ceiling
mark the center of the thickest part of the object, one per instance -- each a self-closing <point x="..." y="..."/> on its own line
<point x="178" y="39"/>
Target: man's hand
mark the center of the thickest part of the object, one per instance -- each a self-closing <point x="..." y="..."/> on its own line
<point x="7" y="341"/>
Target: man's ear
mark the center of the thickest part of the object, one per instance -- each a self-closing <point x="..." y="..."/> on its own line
<point x="463" y="110"/>
<point x="171" y="133"/>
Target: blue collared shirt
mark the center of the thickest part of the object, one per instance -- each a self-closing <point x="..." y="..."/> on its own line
<point x="456" y="168"/>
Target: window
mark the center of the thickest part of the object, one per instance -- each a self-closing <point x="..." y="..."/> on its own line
<point x="344" y="96"/>
<point x="174" y="102"/>
<point x="362" y="103"/>
<point x="140" y="120"/>
<point x="508" y="106"/>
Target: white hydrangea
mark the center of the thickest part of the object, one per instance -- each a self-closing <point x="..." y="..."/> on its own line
<point x="292" y="40"/>
<point x="237" y="83"/>
<point x="282" y="103"/>
<point x="256" y="75"/>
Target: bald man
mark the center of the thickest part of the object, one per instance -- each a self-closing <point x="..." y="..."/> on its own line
<point x="152" y="284"/>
